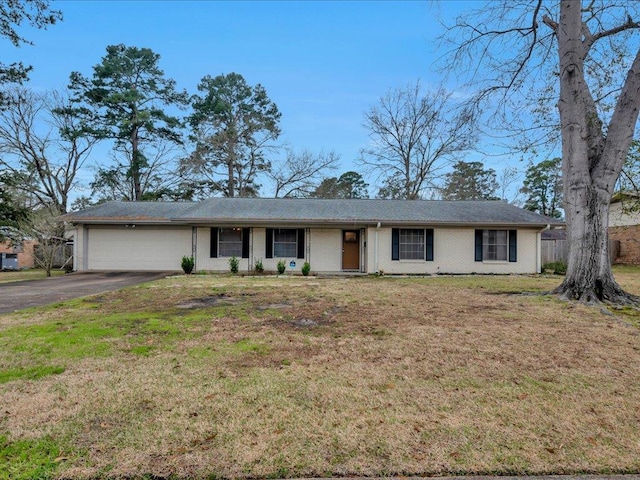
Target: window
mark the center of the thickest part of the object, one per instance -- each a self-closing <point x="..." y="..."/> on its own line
<point x="412" y="244"/>
<point x="230" y="242"/>
<point x="285" y="243"/>
<point x="496" y="245"/>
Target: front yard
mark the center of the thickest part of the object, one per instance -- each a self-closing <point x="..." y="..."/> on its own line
<point x="217" y="376"/>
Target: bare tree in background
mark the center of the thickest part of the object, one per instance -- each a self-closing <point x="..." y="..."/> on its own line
<point x="298" y="174"/>
<point x="414" y="136"/>
<point x="42" y="146"/>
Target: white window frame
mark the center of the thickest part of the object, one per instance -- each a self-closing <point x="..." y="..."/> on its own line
<point x="408" y="247"/>
<point x="495" y="248"/>
<point x="293" y="245"/>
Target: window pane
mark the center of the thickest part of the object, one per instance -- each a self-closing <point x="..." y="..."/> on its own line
<point x="411" y="244"/>
<point x="285" y="243"/>
<point x="230" y="242"/>
<point x="495" y="244"/>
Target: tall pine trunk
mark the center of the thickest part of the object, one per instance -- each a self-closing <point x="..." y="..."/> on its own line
<point x="591" y="163"/>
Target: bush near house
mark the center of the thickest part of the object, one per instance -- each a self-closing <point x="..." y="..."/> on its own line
<point x="558" y="268"/>
<point x="187" y="264"/>
<point x="234" y="265"/>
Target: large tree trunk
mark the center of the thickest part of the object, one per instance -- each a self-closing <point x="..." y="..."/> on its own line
<point x="591" y="163"/>
<point x="589" y="276"/>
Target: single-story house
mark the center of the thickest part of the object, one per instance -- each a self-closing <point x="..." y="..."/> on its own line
<point x="14" y="256"/>
<point x="367" y="236"/>
<point x="624" y="227"/>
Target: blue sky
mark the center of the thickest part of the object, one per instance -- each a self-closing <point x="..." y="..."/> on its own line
<point x="322" y="62"/>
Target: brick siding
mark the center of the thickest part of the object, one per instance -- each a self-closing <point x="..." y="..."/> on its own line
<point x="629" y="238"/>
<point x="25" y="252"/>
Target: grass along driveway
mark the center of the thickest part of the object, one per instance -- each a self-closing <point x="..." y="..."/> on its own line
<point x="209" y="376"/>
<point x="30" y="274"/>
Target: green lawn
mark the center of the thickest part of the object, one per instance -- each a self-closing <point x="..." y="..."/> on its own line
<point x="220" y="376"/>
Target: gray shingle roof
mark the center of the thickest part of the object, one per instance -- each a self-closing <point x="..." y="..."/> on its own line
<point x="130" y="211"/>
<point x="256" y="211"/>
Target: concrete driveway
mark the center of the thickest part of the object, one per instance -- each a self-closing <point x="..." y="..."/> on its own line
<point x="35" y="293"/>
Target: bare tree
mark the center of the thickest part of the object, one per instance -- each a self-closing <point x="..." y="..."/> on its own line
<point x="45" y="226"/>
<point x="506" y="180"/>
<point x="597" y="109"/>
<point x="299" y="173"/>
<point x="42" y="145"/>
<point x="414" y="136"/>
<point x="159" y="180"/>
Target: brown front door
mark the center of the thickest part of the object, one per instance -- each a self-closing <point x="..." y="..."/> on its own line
<point x="351" y="250"/>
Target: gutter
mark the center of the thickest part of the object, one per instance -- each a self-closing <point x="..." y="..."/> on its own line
<point x="375" y="250"/>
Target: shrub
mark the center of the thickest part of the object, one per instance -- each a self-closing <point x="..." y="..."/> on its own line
<point x="187" y="264"/>
<point x="561" y="268"/>
<point x="258" y="266"/>
<point x="306" y="268"/>
<point x="558" y="268"/>
<point x="234" y="264"/>
<point x="282" y="266"/>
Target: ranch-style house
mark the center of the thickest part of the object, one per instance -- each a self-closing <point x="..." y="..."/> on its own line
<point x="364" y="236"/>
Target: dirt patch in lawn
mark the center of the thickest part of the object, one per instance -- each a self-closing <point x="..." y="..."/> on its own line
<point x="202" y="377"/>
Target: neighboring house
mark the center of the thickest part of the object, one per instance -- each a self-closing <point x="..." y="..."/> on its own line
<point x="367" y="236"/>
<point x="14" y="257"/>
<point x="624" y="228"/>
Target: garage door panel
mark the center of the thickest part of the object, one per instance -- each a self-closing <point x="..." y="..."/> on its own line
<point x="139" y="248"/>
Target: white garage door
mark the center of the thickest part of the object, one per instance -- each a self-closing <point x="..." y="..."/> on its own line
<point x="139" y="248"/>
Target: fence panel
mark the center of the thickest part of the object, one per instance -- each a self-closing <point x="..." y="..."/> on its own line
<point x="554" y="251"/>
<point x="558" y="250"/>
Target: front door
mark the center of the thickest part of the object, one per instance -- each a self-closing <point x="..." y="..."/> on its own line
<point x="351" y="250"/>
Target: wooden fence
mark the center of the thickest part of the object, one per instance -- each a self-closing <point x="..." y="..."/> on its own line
<point x="558" y="250"/>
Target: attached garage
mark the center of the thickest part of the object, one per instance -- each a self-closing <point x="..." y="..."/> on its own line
<point x="139" y="247"/>
<point x="331" y="235"/>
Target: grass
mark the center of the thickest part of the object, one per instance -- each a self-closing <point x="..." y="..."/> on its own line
<point x="31" y="274"/>
<point x="219" y="376"/>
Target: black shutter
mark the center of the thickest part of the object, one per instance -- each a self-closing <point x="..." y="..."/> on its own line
<point x="213" y="249"/>
<point x="301" y="243"/>
<point x="428" y="240"/>
<point x="513" y="245"/>
<point x="269" y="246"/>
<point x="395" y="244"/>
<point x="478" y="245"/>
<point x="246" y="234"/>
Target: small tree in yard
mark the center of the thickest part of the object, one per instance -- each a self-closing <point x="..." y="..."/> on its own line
<point x="46" y="227"/>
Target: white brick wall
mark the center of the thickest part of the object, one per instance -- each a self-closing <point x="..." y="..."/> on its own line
<point x="257" y="251"/>
<point x="161" y="248"/>
<point x="454" y="252"/>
